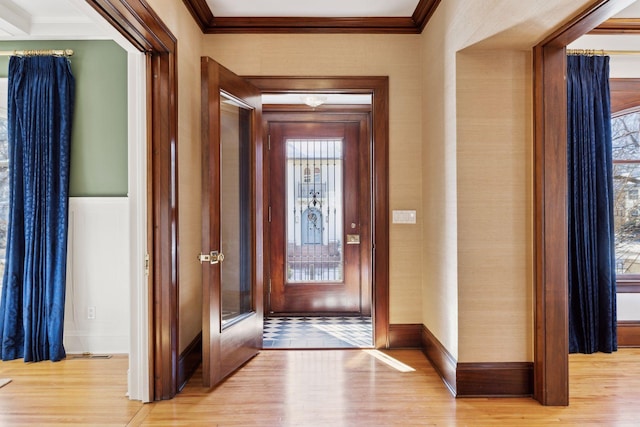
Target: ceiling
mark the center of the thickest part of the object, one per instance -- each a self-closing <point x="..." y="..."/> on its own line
<point x="51" y="19"/>
<point x="326" y="8"/>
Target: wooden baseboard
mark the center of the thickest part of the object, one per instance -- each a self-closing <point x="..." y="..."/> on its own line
<point x="405" y="335"/>
<point x="495" y="379"/>
<point x="189" y="361"/>
<point x="443" y="362"/>
<point x="628" y="333"/>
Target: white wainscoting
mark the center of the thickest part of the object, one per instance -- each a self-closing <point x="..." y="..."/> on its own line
<point x="98" y="276"/>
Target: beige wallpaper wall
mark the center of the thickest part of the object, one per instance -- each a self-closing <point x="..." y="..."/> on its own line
<point x="495" y="209"/>
<point x="477" y="177"/>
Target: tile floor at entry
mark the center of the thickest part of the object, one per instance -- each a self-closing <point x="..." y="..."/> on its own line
<point x="317" y="332"/>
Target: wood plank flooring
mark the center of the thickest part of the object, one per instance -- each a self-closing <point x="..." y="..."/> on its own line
<point x="313" y="388"/>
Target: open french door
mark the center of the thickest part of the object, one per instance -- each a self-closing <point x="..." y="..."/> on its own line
<point x="231" y="222"/>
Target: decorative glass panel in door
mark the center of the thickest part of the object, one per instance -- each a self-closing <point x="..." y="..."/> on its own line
<point x="235" y="210"/>
<point x="315" y="225"/>
<point x="314" y="210"/>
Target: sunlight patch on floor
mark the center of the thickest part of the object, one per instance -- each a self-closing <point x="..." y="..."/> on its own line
<point x="390" y="361"/>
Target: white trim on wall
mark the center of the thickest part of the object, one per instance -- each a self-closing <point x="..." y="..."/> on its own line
<point x="97" y="276"/>
<point x="139" y="368"/>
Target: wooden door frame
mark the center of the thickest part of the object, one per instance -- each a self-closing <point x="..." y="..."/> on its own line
<point x="551" y="334"/>
<point x="141" y="26"/>
<point x="360" y="114"/>
<point x="378" y="87"/>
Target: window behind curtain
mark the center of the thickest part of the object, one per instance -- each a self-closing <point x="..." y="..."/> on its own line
<point x="625" y="126"/>
<point x="626" y="182"/>
<point x="4" y="175"/>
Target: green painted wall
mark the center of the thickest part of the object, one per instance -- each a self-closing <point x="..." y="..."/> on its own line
<point x="99" y="133"/>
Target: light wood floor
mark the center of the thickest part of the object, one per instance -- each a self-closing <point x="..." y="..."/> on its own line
<point x="312" y="388"/>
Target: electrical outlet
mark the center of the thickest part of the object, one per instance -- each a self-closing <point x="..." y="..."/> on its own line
<point x="91" y="312"/>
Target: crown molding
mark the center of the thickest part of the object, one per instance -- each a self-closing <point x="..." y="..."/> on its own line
<point x="209" y="24"/>
<point x="618" y="26"/>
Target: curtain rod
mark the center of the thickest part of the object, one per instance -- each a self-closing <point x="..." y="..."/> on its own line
<point x="601" y="52"/>
<point x="42" y="52"/>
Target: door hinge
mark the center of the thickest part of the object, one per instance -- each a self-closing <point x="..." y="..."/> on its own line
<point x="269" y="213"/>
<point x="146" y="264"/>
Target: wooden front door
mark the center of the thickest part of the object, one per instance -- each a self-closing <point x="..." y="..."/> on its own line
<point x="231" y="222"/>
<point x="319" y="222"/>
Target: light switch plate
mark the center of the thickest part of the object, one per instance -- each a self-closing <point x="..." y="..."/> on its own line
<point x="404" y="217"/>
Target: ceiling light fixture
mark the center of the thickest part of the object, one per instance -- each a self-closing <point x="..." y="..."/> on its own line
<point x="313" y="100"/>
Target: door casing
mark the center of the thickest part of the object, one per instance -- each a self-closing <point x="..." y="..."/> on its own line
<point x="354" y="115"/>
<point x="378" y="87"/>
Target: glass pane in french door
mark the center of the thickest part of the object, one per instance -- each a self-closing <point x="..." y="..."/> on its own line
<point x="314" y="206"/>
<point x="235" y="210"/>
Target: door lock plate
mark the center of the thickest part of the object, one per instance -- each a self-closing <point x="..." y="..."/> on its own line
<point x="212" y="257"/>
<point x="353" y="239"/>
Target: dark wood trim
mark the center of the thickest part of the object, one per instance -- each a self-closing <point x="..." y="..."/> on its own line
<point x="495" y="379"/>
<point x="286" y="25"/>
<point x="628" y="333"/>
<point x="551" y="377"/>
<point x="551" y="317"/>
<point x="379" y="87"/>
<point x="138" y="23"/>
<point x="625" y="95"/>
<point x="424" y="11"/>
<point x="584" y="22"/>
<point x="201" y="13"/>
<point x="189" y="361"/>
<point x="405" y="335"/>
<point x="618" y="26"/>
<point x="210" y="24"/>
<point x="627" y="288"/>
<point x="325" y="108"/>
<point x="490" y="379"/>
<point x="143" y="27"/>
<point x="443" y="362"/>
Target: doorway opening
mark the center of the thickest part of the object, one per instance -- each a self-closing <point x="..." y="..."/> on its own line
<point x="318" y="193"/>
<point x="325" y="223"/>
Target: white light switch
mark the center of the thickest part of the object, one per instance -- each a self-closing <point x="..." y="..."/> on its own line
<point x="404" y="217"/>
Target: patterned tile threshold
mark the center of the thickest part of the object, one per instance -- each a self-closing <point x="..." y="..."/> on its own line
<point x="317" y="332"/>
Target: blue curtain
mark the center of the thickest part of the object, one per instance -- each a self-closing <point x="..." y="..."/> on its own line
<point x="592" y="280"/>
<point x="41" y="94"/>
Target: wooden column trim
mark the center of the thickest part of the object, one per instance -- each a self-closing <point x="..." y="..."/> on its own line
<point x="551" y="361"/>
<point x="551" y="378"/>
<point x="139" y="24"/>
